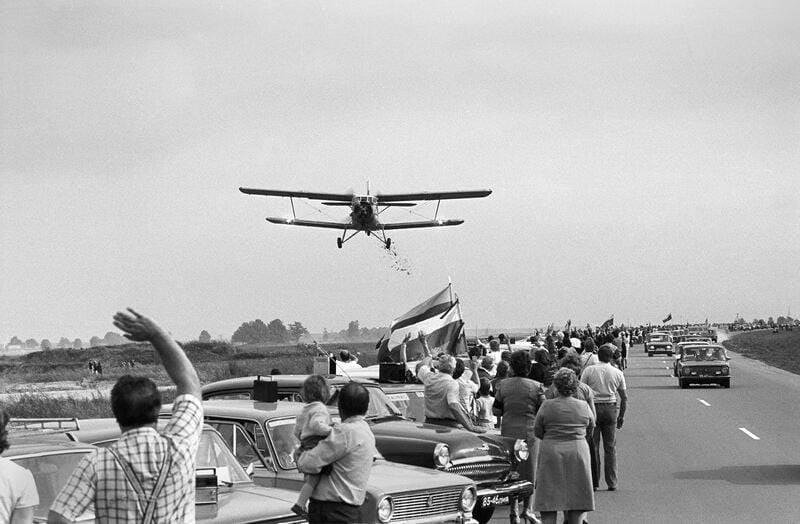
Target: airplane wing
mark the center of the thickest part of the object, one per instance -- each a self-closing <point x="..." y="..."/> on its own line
<point x="308" y="223"/>
<point x="440" y="195"/>
<point x="338" y="197"/>
<point x="424" y="223"/>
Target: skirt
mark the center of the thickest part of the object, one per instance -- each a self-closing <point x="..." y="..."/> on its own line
<point x="564" y="476"/>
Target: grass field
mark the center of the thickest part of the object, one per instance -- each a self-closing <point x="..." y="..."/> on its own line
<point x="781" y="349"/>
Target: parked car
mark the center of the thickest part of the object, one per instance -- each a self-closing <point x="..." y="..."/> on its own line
<point x="702" y="364"/>
<point x="491" y="461"/>
<point x="232" y="495"/>
<point x="262" y="434"/>
<point x="658" y="342"/>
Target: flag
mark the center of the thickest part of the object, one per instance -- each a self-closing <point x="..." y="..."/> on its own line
<point x="440" y="320"/>
<point x="669" y="317"/>
<point x="608" y="323"/>
<point x="567" y="327"/>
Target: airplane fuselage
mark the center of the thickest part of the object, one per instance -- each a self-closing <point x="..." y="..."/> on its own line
<point x="364" y="213"/>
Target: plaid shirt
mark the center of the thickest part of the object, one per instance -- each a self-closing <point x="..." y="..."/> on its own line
<point x="99" y="482"/>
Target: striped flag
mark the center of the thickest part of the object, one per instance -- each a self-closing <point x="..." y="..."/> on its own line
<point x="438" y="317"/>
<point x="608" y="323"/>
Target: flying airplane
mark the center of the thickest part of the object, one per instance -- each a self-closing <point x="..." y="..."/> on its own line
<point x="365" y="210"/>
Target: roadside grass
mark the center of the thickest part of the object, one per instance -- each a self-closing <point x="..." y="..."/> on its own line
<point x="781" y="349"/>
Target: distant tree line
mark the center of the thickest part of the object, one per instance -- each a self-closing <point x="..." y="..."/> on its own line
<point x="110" y="339"/>
<point x="276" y="332"/>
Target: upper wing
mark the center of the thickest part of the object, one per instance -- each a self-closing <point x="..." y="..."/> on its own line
<point x="425" y="223"/>
<point x="308" y="223"/>
<point x="339" y="197"/>
<point x="440" y="195"/>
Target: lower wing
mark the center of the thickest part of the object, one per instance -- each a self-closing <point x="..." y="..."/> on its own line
<point x="425" y="223"/>
<point x="308" y="223"/>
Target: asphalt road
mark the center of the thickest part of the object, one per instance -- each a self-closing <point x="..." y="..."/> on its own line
<point x="705" y="454"/>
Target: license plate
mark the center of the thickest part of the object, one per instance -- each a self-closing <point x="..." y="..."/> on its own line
<point x="494" y="500"/>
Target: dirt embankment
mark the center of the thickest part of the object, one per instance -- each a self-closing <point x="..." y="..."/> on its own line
<point x="781" y="349"/>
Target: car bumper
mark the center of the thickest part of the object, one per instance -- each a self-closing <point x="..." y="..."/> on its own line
<point x="455" y="517"/>
<point x="503" y="494"/>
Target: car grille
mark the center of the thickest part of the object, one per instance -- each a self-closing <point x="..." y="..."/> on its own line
<point x="423" y="504"/>
<point x="489" y="470"/>
<point x="696" y="371"/>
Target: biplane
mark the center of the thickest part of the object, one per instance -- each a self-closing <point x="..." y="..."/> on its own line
<point x="365" y="210"/>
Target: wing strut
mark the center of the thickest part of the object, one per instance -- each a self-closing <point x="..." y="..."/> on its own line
<point x="436" y="215"/>
<point x="291" y="200"/>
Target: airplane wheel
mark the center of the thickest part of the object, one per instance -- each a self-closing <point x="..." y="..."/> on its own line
<point x="388" y="243"/>
<point x="339" y="243"/>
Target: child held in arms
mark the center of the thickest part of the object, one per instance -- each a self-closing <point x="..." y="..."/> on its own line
<point x="313" y="425"/>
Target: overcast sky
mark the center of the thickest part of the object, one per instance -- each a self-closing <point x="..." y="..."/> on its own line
<point x="643" y="156"/>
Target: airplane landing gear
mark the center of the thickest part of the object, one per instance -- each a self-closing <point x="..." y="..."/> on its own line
<point x="339" y="243"/>
<point x="388" y="243"/>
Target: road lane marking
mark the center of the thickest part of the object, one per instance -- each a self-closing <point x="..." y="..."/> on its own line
<point x="751" y="435"/>
<point x="703" y="402"/>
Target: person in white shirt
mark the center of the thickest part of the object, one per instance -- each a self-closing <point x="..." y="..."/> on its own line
<point x="608" y="384"/>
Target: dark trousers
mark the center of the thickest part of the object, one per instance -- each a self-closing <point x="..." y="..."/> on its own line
<point x="324" y="511"/>
<point x="606" y="427"/>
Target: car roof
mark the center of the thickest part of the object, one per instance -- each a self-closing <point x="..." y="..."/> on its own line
<point x="251" y="408"/>
<point x="43" y="445"/>
<point x="284" y="381"/>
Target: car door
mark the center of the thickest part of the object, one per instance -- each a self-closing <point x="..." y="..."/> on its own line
<point x="249" y="446"/>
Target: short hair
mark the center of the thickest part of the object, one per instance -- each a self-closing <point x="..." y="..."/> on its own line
<point x="571" y="362"/>
<point x="494" y="345"/>
<point x="566" y="382"/>
<point x="275" y="371"/>
<point x="353" y="400"/>
<point x="502" y="369"/>
<point x="4" y="418"/>
<point x="606" y="352"/>
<point x="446" y="364"/>
<point x="344" y="355"/>
<point x="315" y="389"/>
<point x="459" y="369"/>
<point x="501" y="336"/>
<point x="485" y="388"/>
<point x="520" y="363"/>
<point x="487" y="362"/>
<point x="135" y="401"/>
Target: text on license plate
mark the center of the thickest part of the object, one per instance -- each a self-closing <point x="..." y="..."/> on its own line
<point x="494" y="500"/>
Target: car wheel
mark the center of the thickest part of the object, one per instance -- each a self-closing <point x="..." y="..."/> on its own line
<point x="669" y="353"/>
<point x="725" y="383"/>
<point x="683" y="383"/>
<point x="649" y="353"/>
<point x="483" y="515"/>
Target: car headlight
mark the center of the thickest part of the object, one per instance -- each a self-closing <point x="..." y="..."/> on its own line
<point x="385" y="509"/>
<point x="725" y="370"/>
<point x="441" y="455"/>
<point x="668" y="346"/>
<point x="468" y="499"/>
<point x="521" y="450"/>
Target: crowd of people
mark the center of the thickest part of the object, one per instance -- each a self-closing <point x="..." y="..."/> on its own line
<point x="562" y="397"/>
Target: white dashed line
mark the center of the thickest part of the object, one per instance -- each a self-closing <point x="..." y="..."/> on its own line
<point x="749" y="434"/>
<point x="703" y="402"/>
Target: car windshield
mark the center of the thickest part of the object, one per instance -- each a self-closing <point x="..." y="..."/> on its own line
<point x="281" y="433"/>
<point x="213" y="452"/>
<point x="701" y="354"/>
<point x="379" y="404"/>
<point x="658" y="338"/>
<point x="50" y="472"/>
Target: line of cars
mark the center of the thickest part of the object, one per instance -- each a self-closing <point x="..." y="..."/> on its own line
<point x="698" y="358"/>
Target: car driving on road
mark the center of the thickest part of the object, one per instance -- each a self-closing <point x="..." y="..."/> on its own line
<point x="658" y="342"/>
<point x="702" y="364"/>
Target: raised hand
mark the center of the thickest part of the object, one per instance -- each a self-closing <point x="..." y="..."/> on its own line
<point x="137" y="327"/>
<point x="421" y="336"/>
<point x="407" y="337"/>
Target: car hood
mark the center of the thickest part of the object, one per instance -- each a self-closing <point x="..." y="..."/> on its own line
<point x="462" y="443"/>
<point x="247" y="503"/>
<point x="392" y="477"/>
<point x="703" y="363"/>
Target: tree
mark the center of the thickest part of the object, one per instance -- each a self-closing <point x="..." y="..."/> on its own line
<point x="95" y="341"/>
<point x="15" y="341"/>
<point x="325" y="335"/>
<point x="114" y="339"/>
<point x="204" y="336"/>
<point x="297" y="330"/>
<point x="64" y="343"/>
<point x="251" y="332"/>
<point x="77" y="344"/>
<point x="353" y="330"/>
<point x="277" y="332"/>
<point x="46" y="345"/>
<point x="771" y="322"/>
<point x="31" y="343"/>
